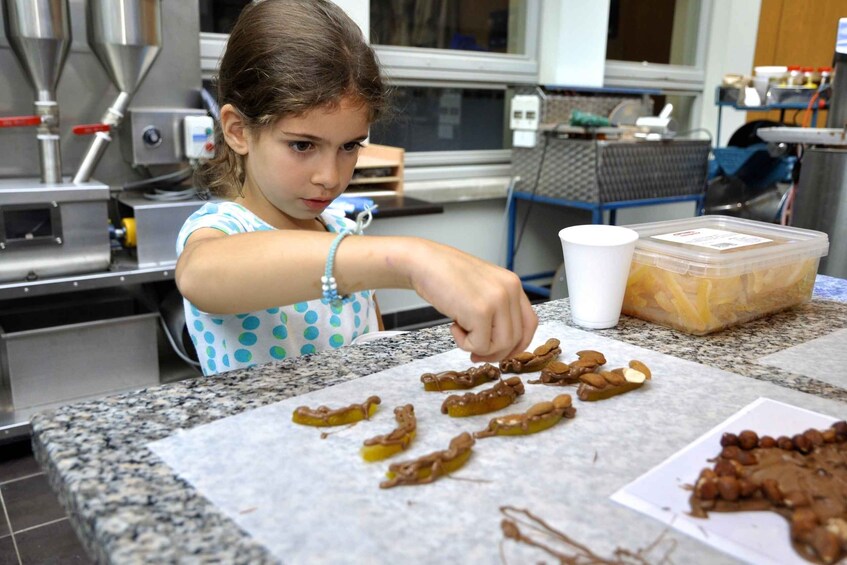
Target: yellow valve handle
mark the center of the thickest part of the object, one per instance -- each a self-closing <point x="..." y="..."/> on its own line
<point x="130" y="239"/>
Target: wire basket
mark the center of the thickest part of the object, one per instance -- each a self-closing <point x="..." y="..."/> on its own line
<point x="602" y="171"/>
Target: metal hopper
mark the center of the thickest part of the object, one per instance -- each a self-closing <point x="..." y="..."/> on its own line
<point x="39" y="33"/>
<point x="126" y="37"/>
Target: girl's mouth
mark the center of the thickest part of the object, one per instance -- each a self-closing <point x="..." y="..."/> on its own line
<point x="315" y="204"/>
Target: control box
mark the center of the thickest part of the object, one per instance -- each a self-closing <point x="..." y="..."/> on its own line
<point x="198" y="134"/>
<point x="154" y="136"/>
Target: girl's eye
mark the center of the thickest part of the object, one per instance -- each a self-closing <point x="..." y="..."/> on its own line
<point x="352" y="146"/>
<point x="300" y="146"/>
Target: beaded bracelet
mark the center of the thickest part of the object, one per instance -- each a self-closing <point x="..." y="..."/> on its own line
<point x="329" y="286"/>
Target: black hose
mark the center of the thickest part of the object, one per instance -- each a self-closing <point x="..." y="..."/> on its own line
<point x="162" y="181"/>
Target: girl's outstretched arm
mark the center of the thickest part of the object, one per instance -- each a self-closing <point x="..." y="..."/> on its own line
<point x="229" y="274"/>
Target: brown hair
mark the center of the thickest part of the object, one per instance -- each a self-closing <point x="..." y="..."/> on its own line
<point x="283" y="58"/>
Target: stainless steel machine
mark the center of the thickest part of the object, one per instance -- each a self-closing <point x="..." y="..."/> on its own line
<point x="820" y="200"/>
<point x="97" y="100"/>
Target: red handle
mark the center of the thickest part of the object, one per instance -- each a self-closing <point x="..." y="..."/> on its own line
<point x="88" y="129"/>
<point x="20" y="121"/>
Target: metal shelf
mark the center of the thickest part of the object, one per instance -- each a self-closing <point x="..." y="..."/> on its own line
<point x="119" y="274"/>
<point x="781" y="108"/>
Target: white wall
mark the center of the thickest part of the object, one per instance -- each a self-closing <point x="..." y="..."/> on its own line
<point x="730" y="49"/>
<point x="572" y="47"/>
<point x="360" y="12"/>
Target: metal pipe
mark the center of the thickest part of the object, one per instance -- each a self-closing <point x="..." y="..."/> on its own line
<point x="113" y="117"/>
<point x="49" y="148"/>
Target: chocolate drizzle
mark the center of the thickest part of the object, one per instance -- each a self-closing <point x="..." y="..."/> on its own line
<point x="451" y="380"/>
<point x="322" y="415"/>
<point x="499" y="396"/>
<point x="402" y="434"/>
<point x="523" y="526"/>
<point x="431" y="467"/>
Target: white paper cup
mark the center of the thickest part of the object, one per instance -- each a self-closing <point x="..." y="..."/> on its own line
<point x="597" y="261"/>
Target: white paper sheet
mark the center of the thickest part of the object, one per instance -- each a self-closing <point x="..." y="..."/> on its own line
<point x="313" y="500"/>
<point x="757" y="537"/>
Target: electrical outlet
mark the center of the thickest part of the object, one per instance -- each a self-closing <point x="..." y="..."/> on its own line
<point x="524" y="138"/>
<point x="525" y="112"/>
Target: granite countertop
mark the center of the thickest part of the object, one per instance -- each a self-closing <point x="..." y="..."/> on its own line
<point x="127" y="505"/>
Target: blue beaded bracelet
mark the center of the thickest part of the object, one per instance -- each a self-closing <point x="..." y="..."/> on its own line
<point x="329" y="286"/>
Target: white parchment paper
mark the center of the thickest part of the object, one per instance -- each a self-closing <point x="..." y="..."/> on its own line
<point x="313" y="500"/>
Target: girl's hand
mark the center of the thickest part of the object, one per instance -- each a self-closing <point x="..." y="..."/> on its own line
<point x="492" y="317"/>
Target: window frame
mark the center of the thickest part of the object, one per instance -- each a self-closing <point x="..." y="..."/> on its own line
<point x="439" y="68"/>
<point x="427" y="64"/>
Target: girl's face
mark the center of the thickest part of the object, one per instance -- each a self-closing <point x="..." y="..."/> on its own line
<point x="300" y="164"/>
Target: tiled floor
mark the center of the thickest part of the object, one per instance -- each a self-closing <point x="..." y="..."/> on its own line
<point x="33" y="527"/>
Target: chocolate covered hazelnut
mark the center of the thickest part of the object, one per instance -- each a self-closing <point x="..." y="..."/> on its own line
<point x="728" y="439"/>
<point x="784" y="442"/>
<point x="729" y="488"/>
<point x="767" y="442"/>
<point x="748" y="439"/>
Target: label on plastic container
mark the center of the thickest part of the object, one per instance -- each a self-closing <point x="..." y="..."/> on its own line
<point x="712" y="239"/>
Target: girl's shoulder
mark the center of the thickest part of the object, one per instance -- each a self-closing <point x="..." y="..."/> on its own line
<point x="227" y="217"/>
<point x="229" y="213"/>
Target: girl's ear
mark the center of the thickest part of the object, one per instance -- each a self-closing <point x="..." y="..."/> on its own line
<point x="234" y="130"/>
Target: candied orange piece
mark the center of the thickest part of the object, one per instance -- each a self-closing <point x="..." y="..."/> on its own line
<point x="446" y="468"/>
<point x="477" y="408"/>
<point x="378" y="452"/>
<point x="430" y="467"/>
<point x="323" y="416"/>
<point x="455" y="380"/>
<point x="537" y="418"/>
<point x="497" y="397"/>
<point x="384" y="446"/>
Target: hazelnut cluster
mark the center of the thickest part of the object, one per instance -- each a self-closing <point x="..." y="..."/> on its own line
<point x="730" y="483"/>
<point x="559" y="373"/>
<point x="527" y="362"/>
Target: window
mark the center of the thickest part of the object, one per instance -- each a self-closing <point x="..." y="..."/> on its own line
<point x="657" y="43"/>
<point x="482" y="25"/>
<point x="656" y="31"/>
<point x="444" y="119"/>
<point x="218" y="16"/>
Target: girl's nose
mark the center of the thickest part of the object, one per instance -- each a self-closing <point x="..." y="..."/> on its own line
<point x="327" y="174"/>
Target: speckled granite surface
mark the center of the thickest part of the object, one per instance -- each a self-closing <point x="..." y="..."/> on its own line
<point x="127" y="506"/>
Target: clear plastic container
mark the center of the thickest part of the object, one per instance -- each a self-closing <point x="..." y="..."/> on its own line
<point x="704" y="274"/>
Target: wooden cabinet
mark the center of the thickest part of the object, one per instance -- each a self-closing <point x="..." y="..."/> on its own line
<point x="379" y="170"/>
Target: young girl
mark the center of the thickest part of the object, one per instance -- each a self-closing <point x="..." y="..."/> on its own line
<point x="268" y="274"/>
